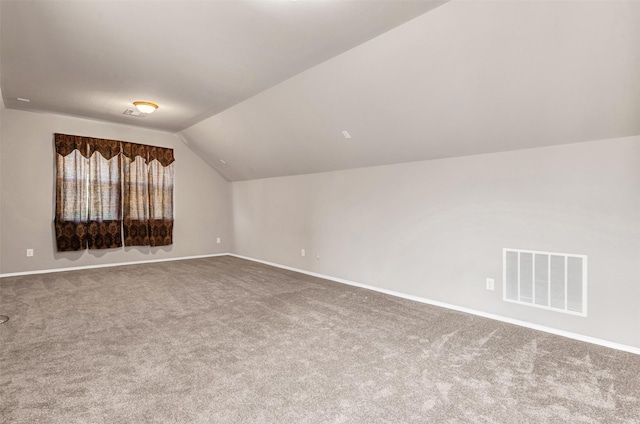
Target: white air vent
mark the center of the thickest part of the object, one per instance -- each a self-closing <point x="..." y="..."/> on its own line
<point x="555" y="281"/>
<point x="133" y="112"/>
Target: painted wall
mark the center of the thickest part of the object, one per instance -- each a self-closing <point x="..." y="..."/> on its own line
<point x="436" y="229"/>
<point x="202" y="198"/>
<point x="433" y="229"/>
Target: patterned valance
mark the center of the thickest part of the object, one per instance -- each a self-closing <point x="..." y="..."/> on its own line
<point x="148" y="153"/>
<point x="86" y="146"/>
<point x="164" y="156"/>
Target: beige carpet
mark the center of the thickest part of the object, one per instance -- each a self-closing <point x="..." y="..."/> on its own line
<point x="223" y="340"/>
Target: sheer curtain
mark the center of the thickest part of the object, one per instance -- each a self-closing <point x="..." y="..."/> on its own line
<point x="71" y="216"/>
<point x="136" y="194"/>
<point x="148" y="195"/>
<point x="105" y="212"/>
<point x="88" y="212"/>
<point x="160" y="196"/>
<point x="107" y="189"/>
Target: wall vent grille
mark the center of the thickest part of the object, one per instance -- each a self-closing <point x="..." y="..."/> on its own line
<point x="555" y="281"/>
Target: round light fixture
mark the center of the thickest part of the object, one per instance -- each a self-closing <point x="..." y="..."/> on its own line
<point x="146" y="107"/>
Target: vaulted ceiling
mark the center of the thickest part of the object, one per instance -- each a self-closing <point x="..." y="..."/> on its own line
<point x="193" y="58"/>
<point x="266" y="88"/>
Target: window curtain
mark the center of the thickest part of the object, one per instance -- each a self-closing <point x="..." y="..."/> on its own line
<point x="88" y="212"/>
<point x="107" y="188"/>
<point x="72" y="167"/>
<point x="160" y="196"/>
<point x="148" y="195"/>
<point x="136" y="194"/>
<point x="105" y="213"/>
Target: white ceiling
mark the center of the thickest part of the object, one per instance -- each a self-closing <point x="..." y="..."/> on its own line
<point x="466" y="78"/>
<point x="269" y="86"/>
<point x="193" y="58"/>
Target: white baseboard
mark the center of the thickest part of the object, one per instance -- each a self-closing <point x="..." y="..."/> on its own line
<point x="568" y="334"/>
<point x="75" y="268"/>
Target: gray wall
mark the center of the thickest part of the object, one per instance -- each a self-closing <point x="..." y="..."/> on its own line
<point x="436" y="229"/>
<point x="433" y="229"/>
<point x="27" y="176"/>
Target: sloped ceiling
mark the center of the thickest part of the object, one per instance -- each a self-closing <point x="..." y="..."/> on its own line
<point x="466" y="78"/>
<point x="193" y="58"/>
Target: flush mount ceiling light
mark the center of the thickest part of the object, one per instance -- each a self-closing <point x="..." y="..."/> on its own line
<point x="146" y="107"/>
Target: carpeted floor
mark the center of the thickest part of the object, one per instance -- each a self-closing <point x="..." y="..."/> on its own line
<point x="224" y="340"/>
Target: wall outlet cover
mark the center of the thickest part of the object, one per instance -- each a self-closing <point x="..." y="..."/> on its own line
<point x="491" y="284"/>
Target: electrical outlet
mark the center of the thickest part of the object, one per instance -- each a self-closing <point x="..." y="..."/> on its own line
<point x="317" y="256"/>
<point x="302" y="252"/>
<point x="218" y="240"/>
<point x="491" y="284"/>
<point x="29" y="252"/>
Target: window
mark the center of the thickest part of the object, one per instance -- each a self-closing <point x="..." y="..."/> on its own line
<point x="94" y="176"/>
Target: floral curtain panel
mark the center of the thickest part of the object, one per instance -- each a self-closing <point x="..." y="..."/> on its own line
<point x="104" y="194"/>
<point x="160" y="196"/>
<point x="136" y="194"/>
<point x="72" y="167"/>
<point x="107" y="188"/>
<point x="148" y="195"/>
